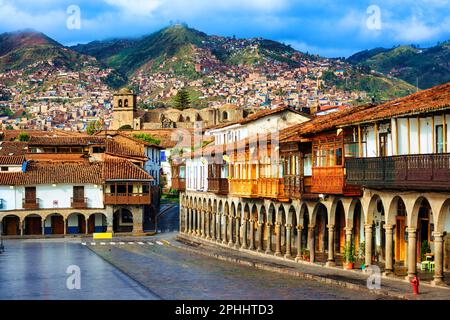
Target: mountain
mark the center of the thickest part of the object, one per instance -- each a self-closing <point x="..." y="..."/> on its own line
<point x="423" y="67"/>
<point x="174" y="47"/>
<point x="22" y="49"/>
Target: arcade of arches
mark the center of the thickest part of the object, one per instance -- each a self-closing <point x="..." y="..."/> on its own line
<point x="394" y="231"/>
<point x="70" y="222"/>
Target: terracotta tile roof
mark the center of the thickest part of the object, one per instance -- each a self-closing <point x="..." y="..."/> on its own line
<point x="8" y="148"/>
<point x="58" y="173"/>
<point x="10" y="135"/>
<point x="120" y="149"/>
<point x="66" y="141"/>
<point x="116" y="169"/>
<point x="12" y="160"/>
<point x="433" y="99"/>
<point x="258" y="115"/>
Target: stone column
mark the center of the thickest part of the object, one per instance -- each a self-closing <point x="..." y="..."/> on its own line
<point x="311" y="243"/>
<point x="348" y="235"/>
<point x="244" y="234"/>
<point x="225" y="219"/>
<point x="201" y="220"/>
<point x="230" y="240"/>
<point x="21" y="227"/>
<point x="260" y="234"/>
<point x="299" y="242"/>
<point x="237" y="226"/>
<point x="252" y="234"/>
<point x="137" y="221"/>
<point x="438" y="278"/>
<point x="194" y="221"/>
<point x="43" y="226"/>
<point x="331" y="261"/>
<point x="219" y="228"/>
<point x="214" y="227"/>
<point x="288" y="241"/>
<point x="278" y="239"/>
<point x="389" y="249"/>
<point x="269" y="238"/>
<point x="86" y="231"/>
<point x="412" y="235"/>
<point x="368" y="240"/>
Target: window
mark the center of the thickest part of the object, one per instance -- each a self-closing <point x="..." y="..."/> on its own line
<point x="126" y="103"/>
<point x="4" y="169"/>
<point x="78" y="193"/>
<point x="120" y="103"/>
<point x="440" y="143"/>
<point x="383" y="141"/>
<point x="328" y="154"/>
<point x="98" y="150"/>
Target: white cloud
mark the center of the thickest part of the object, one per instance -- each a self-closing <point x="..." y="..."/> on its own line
<point x="136" y="7"/>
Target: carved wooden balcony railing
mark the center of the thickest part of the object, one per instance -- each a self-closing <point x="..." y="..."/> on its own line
<point x="127" y="198"/>
<point x="272" y="188"/>
<point x="422" y="172"/>
<point x="218" y="185"/>
<point x="247" y="188"/>
<point x="30" y="203"/>
<point x="80" y="203"/>
<point x="293" y="186"/>
<point x="331" y="180"/>
<point x="179" y="184"/>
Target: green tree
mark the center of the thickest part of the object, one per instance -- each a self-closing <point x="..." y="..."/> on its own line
<point x="182" y="100"/>
<point x="94" y="127"/>
<point x="23" y="136"/>
<point x="126" y="127"/>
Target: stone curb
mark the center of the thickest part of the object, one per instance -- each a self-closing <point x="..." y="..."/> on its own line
<point x="303" y="275"/>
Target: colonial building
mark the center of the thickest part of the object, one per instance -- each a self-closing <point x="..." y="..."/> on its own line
<point x="127" y="115"/>
<point x="372" y="177"/>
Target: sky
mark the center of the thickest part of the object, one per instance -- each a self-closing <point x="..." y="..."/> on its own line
<point x="332" y="28"/>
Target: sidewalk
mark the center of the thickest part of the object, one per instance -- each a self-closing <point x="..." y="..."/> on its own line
<point x="357" y="280"/>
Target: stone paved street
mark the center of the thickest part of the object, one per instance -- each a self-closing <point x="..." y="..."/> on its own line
<point x="174" y="273"/>
<point x="36" y="269"/>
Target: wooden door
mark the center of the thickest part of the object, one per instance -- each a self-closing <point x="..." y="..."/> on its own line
<point x="10" y="226"/>
<point x="30" y="194"/>
<point x="78" y="193"/>
<point x="383" y="141"/>
<point x="81" y="224"/>
<point x="400" y="242"/>
<point x="91" y="224"/>
<point x="34" y="226"/>
<point x="57" y="225"/>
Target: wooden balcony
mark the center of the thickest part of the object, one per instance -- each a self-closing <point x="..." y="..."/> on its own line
<point x="272" y="188"/>
<point x="78" y="203"/>
<point x="293" y="186"/>
<point x="127" y="198"/>
<point x="331" y="180"/>
<point x="30" y="203"/>
<point x="179" y="184"/>
<point x="218" y="185"/>
<point x="421" y="172"/>
<point x="246" y="188"/>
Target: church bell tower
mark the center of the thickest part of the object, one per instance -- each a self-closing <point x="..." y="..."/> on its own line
<point x="124" y="109"/>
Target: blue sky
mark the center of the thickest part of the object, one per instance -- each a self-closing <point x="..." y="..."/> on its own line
<point x="330" y="28"/>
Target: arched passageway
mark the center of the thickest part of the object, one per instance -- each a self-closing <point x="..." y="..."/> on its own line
<point x="76" y="224"/>
<point x="33" y="225"/>
<point x="11" y="225"/>
<point x="97" y="222"/>
<point x="54" y="224"/>
<point x="123" y="220"/>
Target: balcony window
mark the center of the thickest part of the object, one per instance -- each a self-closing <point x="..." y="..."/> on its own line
<point x="440" y="138"/>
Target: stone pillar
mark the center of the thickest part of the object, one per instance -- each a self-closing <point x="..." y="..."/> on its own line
<point x="230" y="240"/>
<point x="137" y="221"/>
<point x="348" y="235"/>
<point x="331" y="261"/>
<point x="269" y="238"/>
<point x="252" y="234"/>
<point x="201" y="224"/>
<point x="193" y="221"/>
<point x="389" y="249"/>
<point x="43" y="226"/>
<point x="288" y="241"/>
<point x="278" y="239"/>
<point x="260" y="234"/>
<point x="21" y="223"/>
<point x="219" y="228"/>
<point x="412" y="269"/>
<point x="299" y="242"/>
<point x="86" y="231"/>
<point x="438" y="278"/>
<point x="214" y="227"/>
<point x="237" y="226"/>
<point x="244" y="234"/>
<point x="311" y="242"/>
<point x="368" y="240"/>
<point x="225" y="219"/>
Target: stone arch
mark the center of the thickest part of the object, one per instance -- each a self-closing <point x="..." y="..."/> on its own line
<point x="10" y="225"/>
<point x="356" y="220"/>
<point x="54" y="223"/>
<point x="76" y="223"/>
<point x="320" y="222"/>
<point x="292" y="215"/>
<point x="393" y="208"/>
<point x="123" y="220"/>
<point x="33" y="224"/>
<point x="421" y="220"/>
<point x="397" y="217"/>
<point x="442" y="219"/>
<point x="97" y="222"/>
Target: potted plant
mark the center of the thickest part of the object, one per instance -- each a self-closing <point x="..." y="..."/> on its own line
<point x="362" y="254"/>
<point x="305" y="254"/>
<point x="349" y="256"/>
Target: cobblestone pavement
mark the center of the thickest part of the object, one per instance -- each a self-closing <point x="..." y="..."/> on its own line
<point x="174" y="273"/>
<point x="36" y="269"/>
